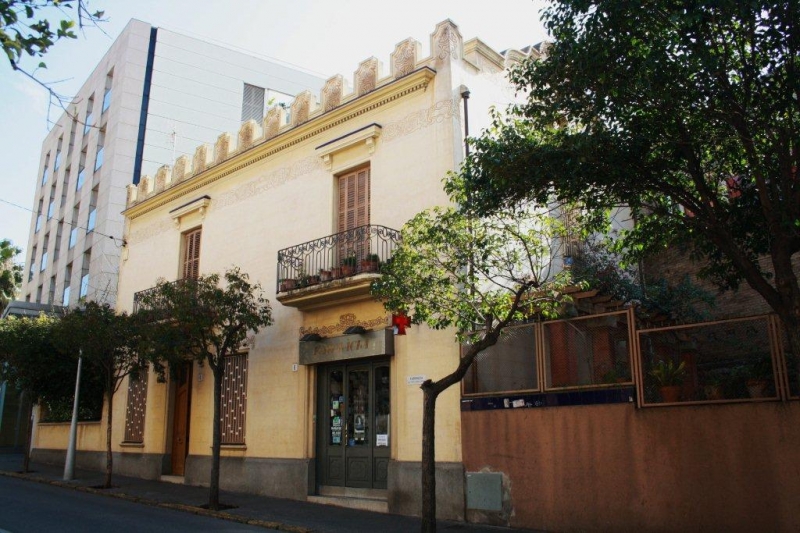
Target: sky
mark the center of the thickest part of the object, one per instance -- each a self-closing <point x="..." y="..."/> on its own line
<point x="324" y="37"/>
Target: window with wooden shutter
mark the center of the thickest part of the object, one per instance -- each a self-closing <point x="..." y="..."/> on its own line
<point x="191" y="254"/>
<point x="354" y="209"/>
<point x="354" y="199"/>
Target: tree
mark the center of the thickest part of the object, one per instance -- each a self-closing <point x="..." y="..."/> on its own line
<point x="107" y="342"/>
<point x="196" y="319"/>
<point x="10" y="272"/>
<point x="476" y="275"/>
<point x="685" y="111"/>
<point x="26" y="32"/>
<point x="30" y="361"/>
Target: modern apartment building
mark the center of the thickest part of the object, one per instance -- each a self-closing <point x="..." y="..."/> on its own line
<point x="154" y="96"/>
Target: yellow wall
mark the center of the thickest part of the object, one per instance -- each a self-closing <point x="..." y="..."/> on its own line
<point x="282" y="193"/>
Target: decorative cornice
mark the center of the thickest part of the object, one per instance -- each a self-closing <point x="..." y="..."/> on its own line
<point x="367" y="135"/>
<point x="345" y="321"/>
<point x="414" y="82"/>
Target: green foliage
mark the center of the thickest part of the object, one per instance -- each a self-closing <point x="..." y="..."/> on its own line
<point x="30" y="361"/>
<point x="455" y="270"/>
<point x="602" y="269"/>
<point x="667" y="373"/>
<point x="22" y="34"/>
<point x="10" y="272"/>
<point x="197" y="319"/>
<point x="107" y="341"/>
<point x="685" y="112"/>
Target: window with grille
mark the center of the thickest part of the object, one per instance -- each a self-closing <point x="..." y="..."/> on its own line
<point x="137" y="402"/>
<point x="191" y="254"/>
<point x="252" y="103"/>
<point x="234" y="399"/>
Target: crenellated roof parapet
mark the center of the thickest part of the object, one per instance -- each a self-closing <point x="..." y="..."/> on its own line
<point x="447" y="46"/>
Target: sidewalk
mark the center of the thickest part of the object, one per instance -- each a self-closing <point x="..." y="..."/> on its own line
<point x="271" y="513"/>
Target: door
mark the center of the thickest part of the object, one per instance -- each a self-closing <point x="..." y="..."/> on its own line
<point x="353" y="424"/>
<point x="180" y="419"/>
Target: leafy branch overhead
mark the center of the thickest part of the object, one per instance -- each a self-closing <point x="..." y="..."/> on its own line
<point x="686" y="112"/>
<point x="24" y="31"/>
<point x="455" y="270"/>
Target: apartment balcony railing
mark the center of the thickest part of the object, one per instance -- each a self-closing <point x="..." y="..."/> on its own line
<point x="344" y="255"/>
<point x="140" y="297"/>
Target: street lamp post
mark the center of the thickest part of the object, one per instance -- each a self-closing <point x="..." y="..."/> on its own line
<point x="69" y="465"/>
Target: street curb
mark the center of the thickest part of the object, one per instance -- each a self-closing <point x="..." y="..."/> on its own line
<point x="278" y="526"/>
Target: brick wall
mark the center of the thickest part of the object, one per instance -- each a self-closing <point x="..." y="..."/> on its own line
<point x="674" y="265"/>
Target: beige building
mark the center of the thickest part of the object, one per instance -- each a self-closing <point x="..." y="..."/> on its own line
<point x="325" y="403"/>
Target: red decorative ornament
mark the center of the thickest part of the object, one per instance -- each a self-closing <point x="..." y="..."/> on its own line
<point x="400" y="323"/>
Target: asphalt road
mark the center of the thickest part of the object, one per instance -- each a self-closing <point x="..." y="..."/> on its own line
<point x="32" y="507"/>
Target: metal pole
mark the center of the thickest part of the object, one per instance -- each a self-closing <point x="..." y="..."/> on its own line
<point x="69" y="465"/>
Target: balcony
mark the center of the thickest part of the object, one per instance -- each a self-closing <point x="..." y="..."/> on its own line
<point x="139" y="297"/>
<point x="334" y="269"/>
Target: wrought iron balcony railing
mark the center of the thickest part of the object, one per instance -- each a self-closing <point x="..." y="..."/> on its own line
<point x="140" y="297"/>
<point x="342" y="255"/>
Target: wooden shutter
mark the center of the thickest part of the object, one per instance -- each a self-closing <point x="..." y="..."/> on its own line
<point x="354" y="199"/>
<point x="191" y="254"/>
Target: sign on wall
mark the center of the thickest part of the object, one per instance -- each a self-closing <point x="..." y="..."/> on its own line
<point x="345" y="347"/>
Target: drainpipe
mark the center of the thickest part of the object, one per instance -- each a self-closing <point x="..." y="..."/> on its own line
<point x="465" y="98"/>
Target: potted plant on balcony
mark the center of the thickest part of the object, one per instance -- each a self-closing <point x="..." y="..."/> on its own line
<point x="305" y="280"/>
<point x="370" y="263"/>
<point x="348" y="266"/>
<point x="287" y="284"/>
<point x="325" y="274"/>
<point x="669" y="378"/>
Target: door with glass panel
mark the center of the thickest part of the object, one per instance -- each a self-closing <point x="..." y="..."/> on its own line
<point x="353" y="424"/>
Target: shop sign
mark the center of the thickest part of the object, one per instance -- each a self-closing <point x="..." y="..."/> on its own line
<point x="345" y="347"/>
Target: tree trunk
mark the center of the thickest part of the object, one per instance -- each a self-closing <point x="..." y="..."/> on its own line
<point x="109" y="456"/>
<point x="26" y="457"/>
<point x="213" y="492"/>
<point x="429" y="395"/>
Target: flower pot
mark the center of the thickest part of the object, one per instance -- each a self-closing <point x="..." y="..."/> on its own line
<point x="336" y="272"/>
<point x="670" y="393"/>
<point x="714" y="392"/>
<point x="325" y="275"/>
<point x="347" y="270"/>
<point x="757" y="388"/>
<point x="369" y="266"/>
<point x="287" y="285"/>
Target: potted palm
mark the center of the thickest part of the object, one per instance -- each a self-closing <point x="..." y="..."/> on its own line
<point x="669" y="378"/>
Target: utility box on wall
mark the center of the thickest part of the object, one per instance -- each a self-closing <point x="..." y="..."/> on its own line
<point x="485" y="491"/>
